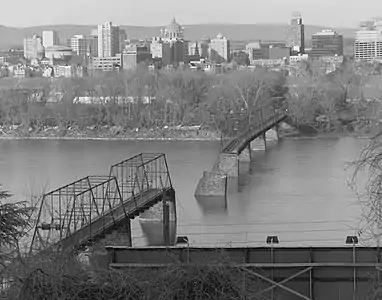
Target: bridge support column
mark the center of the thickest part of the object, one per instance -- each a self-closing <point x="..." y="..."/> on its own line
<point x="277" y="128"/>
<point x="265" y="140"/>
<point x="167" y="199"/>
<point x="245" y="156"/>
<point x="128" y="228"/>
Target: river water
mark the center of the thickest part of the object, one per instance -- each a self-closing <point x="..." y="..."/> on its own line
<point x="297" y="190"/>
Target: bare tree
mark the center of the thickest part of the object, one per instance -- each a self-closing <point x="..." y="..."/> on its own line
<point x="369" y="166"/>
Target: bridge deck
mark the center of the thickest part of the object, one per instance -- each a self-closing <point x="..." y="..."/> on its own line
<point x="238" y="144"/>
<point x="130" y="208"/>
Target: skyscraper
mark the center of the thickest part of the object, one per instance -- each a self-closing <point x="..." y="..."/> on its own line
<point x="220" y="49"/>
<point x="108" y="40"/>
<point x="78" y="43"/>
<point x="50" y="38"/>
<point x="295" y="35"/>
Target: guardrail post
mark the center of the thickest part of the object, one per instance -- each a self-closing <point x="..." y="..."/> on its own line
<point x="250" y="157"/>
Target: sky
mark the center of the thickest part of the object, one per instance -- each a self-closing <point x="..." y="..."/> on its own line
<point x="332" y="13"/>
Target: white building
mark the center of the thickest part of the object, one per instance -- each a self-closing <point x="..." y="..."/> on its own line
<point x="108" y="40"/>
<point x="50" y="38"/>
<point x="368" y="42"/>
<point x="220" y="49"/>
<point x="33" y="48"/>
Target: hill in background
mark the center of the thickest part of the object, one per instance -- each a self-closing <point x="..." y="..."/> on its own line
<point x="13" y="37"/>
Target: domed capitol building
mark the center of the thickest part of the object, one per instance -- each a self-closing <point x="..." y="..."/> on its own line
<point x="173" y="30"/>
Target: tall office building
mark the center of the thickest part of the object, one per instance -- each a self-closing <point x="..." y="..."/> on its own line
<point x="368" y="42"/>
<point x="220" y="49"/>
<point x="295" y="34"/>
<point x="79" y="44"/>
<point x="33" y="47"/>
<point x="108" y="40"/>
<point x="122" y="39"/>
<point x="50" y="38"/>
<point x="327" y="43"/>
<point x="93" y="43"/>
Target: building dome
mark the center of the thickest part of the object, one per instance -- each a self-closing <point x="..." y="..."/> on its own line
<point x="174" y="30"/>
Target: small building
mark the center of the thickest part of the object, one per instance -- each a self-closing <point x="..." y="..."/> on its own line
<point x="327" y="43"/>
<point x="280" y="62"/>
<point x="107" y="63"/>
<point x="19" y="73"/>
<point x="58" y="52"/>
<point x="133" y="55"/>
<point x="62" y="71"/>
<point x="296" y="59"/>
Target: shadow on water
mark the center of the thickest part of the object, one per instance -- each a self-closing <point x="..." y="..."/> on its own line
<point x="212" y="204"/>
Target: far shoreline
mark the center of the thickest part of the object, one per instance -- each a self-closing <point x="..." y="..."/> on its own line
<point x="211" y="137"/>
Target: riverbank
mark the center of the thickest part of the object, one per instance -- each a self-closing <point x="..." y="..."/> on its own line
<point x="166" y="134"/>
<point x="114" y="133"/>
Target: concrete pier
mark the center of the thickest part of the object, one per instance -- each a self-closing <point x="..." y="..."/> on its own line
<point x="212" y="184"/>
<point x="245" y="156"/>
<point x="227" y="163"/>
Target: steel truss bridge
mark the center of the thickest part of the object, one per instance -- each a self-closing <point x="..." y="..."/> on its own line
<point x="83" y="211"/>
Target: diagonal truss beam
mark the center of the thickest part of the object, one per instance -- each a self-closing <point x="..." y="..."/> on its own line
<point x="277" y="284"/>
<point x="285" y="280"/>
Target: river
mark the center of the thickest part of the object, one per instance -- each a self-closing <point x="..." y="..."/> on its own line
<point x="298" y="188"/>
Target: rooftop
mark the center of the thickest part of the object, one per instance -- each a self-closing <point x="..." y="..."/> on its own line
<point x="58" y="48"/>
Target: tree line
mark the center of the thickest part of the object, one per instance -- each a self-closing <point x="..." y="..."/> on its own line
<point x="185" y="97"/>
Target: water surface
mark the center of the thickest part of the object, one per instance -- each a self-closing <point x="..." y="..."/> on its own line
<point x="297" y="190"/>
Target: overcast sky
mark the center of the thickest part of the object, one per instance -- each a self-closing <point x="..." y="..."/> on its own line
<point x="333" y="13"/>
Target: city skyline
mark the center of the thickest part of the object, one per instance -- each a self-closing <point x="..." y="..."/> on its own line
<point x="200" y="12"/>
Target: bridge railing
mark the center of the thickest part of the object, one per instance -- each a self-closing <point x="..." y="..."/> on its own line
<point x="140" y="174"/>
<point x="72" y="207"/>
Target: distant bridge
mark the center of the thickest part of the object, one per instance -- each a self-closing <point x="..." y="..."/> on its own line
<point x="85" y="211"/>
<point x="258" y="125"/>
<point x="237" y="143"/>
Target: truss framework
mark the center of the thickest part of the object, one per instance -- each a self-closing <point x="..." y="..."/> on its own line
<point x="84" y="202"/>
<point x="297" y="273"/>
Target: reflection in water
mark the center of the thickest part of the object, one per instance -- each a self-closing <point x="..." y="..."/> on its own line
<point x="212" y="204"/>
<point x="152" y="225"/>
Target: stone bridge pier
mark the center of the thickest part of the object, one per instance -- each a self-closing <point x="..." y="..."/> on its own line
<point x="228" y="163"/>
<point x="214" y="183"/>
